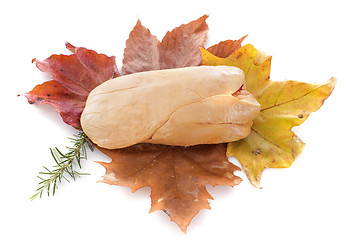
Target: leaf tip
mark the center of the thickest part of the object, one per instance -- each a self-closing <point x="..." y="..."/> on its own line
<point x="138" y="22"/>
<point x="205" y="16"/>
<point x="70" y="47"/>
<point x="332" y="81"/>
<point x="256" y="184"/>
<point x="254" y="178"/>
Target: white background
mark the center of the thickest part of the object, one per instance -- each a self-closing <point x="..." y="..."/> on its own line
<point x="310" y="41"/>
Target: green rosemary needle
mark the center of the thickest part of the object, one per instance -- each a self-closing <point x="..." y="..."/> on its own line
<point x="64" y="165"/>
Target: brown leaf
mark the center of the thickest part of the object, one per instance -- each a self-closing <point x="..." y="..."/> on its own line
<point x="181" y="46"/>
<point x="74" y="76"/>
<point x="141" y="52"/>
<point x="177" y="176"/>
<point x="226" y="48"/>
<point x="178" y="48"/>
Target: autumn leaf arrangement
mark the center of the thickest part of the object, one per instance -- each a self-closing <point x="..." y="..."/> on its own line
<point x="177" y="175"/>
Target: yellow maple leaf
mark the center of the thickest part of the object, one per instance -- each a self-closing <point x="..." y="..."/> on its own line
<point x="284" y="104"/>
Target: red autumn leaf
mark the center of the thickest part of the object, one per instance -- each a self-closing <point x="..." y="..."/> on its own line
<point x="74" y="76"/>
<point x="177" y="176"/>
<point x="178" y="48"/>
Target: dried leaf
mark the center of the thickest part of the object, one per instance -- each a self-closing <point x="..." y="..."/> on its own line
<point x="182" y="196"/>
<point x="177" y="176"/>
<point x="74" y="76"/>
<point x="141" y="52"/>
<point x="181" y="46"/>
<point x="284" y="105"/>
<point x="178" y="48"/>
<point x="226" y="48"/>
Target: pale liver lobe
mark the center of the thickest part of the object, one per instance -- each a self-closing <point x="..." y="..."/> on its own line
<point x="185" y="106"/>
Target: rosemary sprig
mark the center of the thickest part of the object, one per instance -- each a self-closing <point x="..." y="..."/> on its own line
<point x="64" y="165"/>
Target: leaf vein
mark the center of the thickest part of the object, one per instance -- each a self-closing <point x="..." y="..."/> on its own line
<point x="294" y="99"/>
<point x="261" y="135"/>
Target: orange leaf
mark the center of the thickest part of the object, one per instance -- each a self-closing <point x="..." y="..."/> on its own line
<point x="178" y="48"/>
<point x="177" y="176"/>
<point x="226" y="48"/>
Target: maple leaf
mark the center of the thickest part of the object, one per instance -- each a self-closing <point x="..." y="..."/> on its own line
<point x="74" y="76"/>
<point x="179" y="47"/>
<point x="284" y="105"/>
<point x="177" y="176"/>
<point x="180" y="197"/>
